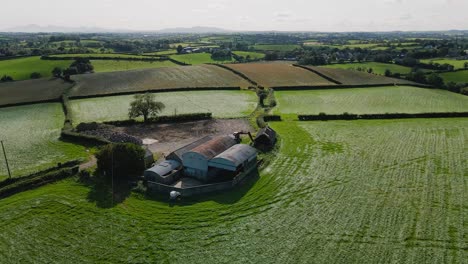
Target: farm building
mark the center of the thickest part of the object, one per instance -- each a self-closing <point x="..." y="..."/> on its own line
<point x="237" y="159"/>
<point x="196" y="160"/>
<point x="266" y="138"/>
<point x="177" y="154"/>
<point x="165" y="172"/>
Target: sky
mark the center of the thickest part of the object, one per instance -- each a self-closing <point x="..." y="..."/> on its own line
<point x="241" y="15"/>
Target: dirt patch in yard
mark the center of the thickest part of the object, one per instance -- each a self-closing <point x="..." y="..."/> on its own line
<point x="171" y="136"/>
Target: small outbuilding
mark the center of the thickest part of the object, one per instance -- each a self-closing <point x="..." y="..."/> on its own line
<point x="165" y="172"/>
<point x="196" y="160"/>
<point x="266" y="138"/>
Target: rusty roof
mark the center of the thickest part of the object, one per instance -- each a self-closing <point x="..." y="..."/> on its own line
<point x="215" y="146"/>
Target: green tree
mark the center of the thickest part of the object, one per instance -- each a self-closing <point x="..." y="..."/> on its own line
<point x="179" y="49"/>
<point x="6" y="78"/>
<point x="435" y="80"/>
<point x="35" y="75"/>
<point x="57" y="72"/>
<point x="466" y="65"/>
<point x="146" y="106"/>
<point x="123" y="161"/>
<point x="388" y="73"/>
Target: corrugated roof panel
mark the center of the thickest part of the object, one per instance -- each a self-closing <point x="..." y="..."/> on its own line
<point x="164" y="167"/>
<point x="235" y="156"/>
<point x="215" y="146"/>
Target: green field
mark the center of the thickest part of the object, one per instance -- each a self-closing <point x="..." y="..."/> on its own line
<point x="197" y="58"/>
<point x="121" y="65"/>
<point x="401" y="99"/>
<point x="277" y="47"/>
<point x="253" y="55"/>
<point x="224" y="104"/>
<point x="91" y="55"/>
<point x="379" y="68"/>
<point x="21" y="69"/>
<point x="458" y="76"/>
<point x="163" y="52"/>
<point x="31" y="136"/>
<point x="458" y="64"/>
<point x="329" y="196"/>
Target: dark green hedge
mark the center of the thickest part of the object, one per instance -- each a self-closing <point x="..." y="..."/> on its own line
<point x="106" y="58"/>
<point x="81" y="138"/>
<point x="165" y="119"/>
<point x="270" y="118"/>
<point x="346" y="116"/>
<point x="31" y="182"/>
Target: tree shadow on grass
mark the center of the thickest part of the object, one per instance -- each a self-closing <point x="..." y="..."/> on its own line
<point x="231" y="196"/>
<point x="105" y="194"/>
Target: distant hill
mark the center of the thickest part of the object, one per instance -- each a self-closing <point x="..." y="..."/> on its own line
<point x="33" y="28"/>
<point x="194" y="30"/>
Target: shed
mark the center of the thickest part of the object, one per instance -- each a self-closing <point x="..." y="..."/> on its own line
<point x="235" y="158"/>
<point x="164" y="172"/>
<point x="177" y="154"/>
<point x="266" y="138"/>
<point x="196" y="160"/>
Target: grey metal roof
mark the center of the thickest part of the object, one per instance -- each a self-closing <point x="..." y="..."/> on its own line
<point x="163" y="168"/>
<point x="215" y="146"/>
<point x="179" y="152"/>
<point x="235" y="156"/>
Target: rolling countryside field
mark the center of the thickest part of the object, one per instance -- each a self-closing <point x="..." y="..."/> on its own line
<point x="458" y="64"/>
<point x="198" y="58"/>
<point x="376" y="100"/>
<point x="21" y="69"/>
<point x="378" y="67"/>
<point x="31" y="135"/>
<point x="122" y="65"/>
<point x="223" y="104"/>
<point x="329" y="196"/>
<point x="273" y="47"/>
<point x="279" y="74"/>
<point x="348" y="77"/>
<point x="203" y="76"/>
<point x="32" y="91"/>
<point x="253" y="55"/>
<point x="457" y="77"/>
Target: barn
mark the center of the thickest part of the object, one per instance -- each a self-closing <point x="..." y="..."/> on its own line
<point x="265" y="139"/>
<point x="239" y="158"/>
<point x="164" y="172"/>
<point x="196" y="160"/>
<point x="177" y="154"/>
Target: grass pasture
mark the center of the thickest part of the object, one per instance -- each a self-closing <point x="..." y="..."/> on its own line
<point x="276" y="47"/>
<point x="253" y="55"/>
<point x="378" y="67"/>
<point x="21" y="69"/>
<point x="279" y="74"/>
<point x="329" y="196"/>
<point x="97" y="55"/>
<point x="457" y="77"/>
<point x="458" y="64"/>
<point x="223" y="104"/>
<point x="198" y="58"/>
<point x="31" y="135"/>
<point x="203" y="76"/>
<point x="401" y="99"/>
<point x="124" y="65"/>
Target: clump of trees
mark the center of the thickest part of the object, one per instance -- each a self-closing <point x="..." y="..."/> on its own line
<point x="221" y="54"/>
<point x="145" y="105"/>
<point x="6" y="78"/>
<point x="79" y="66"/>
<point x="122" y="161"/>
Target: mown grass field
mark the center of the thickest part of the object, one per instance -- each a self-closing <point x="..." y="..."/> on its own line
<point x="279" y="74"/>
<point x="253" y="55"/>
<point x="21" y="69"/>
<point x="377" y="67"/>
<point x="202" y="76"/>
<point x="121" y="65"/>
<point x="458" y="64"/>
<point x="29" y="91"/>
<point x="401" y="99"/>
<point x="94" y="55"/>
<point x="223" y="104"/>
<point x="198" y="58"/>
<point x="458" y="77"/>
<point x="350" y="77"/>
<point x="31" y="135"/>
<point x="276" y="47"/>
<point x="329" y="196"/>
